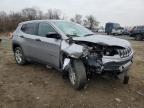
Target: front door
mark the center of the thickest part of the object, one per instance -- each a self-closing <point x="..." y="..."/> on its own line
<point x="47" y="49"/>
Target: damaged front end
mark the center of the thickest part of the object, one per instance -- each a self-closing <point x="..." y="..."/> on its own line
<point x="99" y="58"/>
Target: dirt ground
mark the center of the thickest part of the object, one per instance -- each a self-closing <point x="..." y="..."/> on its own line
<point x="35" y="86"/>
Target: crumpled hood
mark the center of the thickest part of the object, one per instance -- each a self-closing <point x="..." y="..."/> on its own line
<point x="104" y="40"/>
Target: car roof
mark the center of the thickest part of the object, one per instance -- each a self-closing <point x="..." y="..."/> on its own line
<point x="39" y="21"/>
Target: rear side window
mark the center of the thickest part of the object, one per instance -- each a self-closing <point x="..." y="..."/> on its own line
<point x="30" y="28"/>
<point x="44" y="29"/>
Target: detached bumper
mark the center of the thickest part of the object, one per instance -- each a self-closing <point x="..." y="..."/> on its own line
<point x="118" y="66"/>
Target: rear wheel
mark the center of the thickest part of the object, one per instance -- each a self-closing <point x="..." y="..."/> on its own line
<point x="77" y="74"/>
<point x="19" y="56"/>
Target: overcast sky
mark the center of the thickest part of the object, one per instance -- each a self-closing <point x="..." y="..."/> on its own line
<point x="125" y="12"/>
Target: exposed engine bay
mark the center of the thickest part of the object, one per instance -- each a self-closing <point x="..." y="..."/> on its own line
<point x="98" y="58"/>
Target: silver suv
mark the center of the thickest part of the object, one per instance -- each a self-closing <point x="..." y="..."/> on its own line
<point x="72" y="49"/>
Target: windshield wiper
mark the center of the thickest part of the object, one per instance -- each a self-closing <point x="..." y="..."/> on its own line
<point x="89" y="34"/>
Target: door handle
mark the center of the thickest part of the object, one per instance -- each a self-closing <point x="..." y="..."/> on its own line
<point x="22" y="36"/>
<point x="37" y="39"/>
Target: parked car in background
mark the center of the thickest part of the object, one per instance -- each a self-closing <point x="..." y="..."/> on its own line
<point x="72" y="49"/>
<point x="101" y="30"/>
<point x="118" y="31"/>
<point x="95" y="30"/>
<point x="138" y="33"/>
<point x="126" y="31"/>
<point x="110" y="26"/>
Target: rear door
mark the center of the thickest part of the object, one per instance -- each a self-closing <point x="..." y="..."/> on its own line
<point x="27" y="38"/>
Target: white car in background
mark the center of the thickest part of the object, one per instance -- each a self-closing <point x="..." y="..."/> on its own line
<point x="118" y="31"/>
<point x="101" y="30"/>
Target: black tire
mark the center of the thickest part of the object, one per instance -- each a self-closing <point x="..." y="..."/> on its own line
<point x="126" y="80"/>
<point x="21" y="60"/>
<point x="78" y="69"/>
<point x="114" y="34"/>
<point x="138" y="37"/>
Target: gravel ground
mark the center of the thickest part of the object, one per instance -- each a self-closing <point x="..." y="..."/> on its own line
<point x="35" y="86"/>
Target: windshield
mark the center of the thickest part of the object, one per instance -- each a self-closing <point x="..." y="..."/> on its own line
<point x="72" y="29"/>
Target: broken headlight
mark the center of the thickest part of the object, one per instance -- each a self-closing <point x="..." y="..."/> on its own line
<point x="110" y="52"/>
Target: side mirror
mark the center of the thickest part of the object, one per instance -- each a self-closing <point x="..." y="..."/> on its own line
<point x="53" y="35"/>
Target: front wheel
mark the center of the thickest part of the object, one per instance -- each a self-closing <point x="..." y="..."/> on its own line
<point x="77" y="74"/>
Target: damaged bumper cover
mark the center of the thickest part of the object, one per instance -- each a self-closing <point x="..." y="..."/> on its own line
<point x="120" y="66"/>
<point x="116" y="63"/>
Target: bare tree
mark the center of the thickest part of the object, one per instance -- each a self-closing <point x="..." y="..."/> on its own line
<point x="9" y="21"/>
<point x="29" y="13"/>
<point x="14" y="19"/>
<point x="53" y="14"/>
<point x="90" y="22"/>
<point x="3" y="21"/>
<point x="40" y="15"/>
<point x="77" y="19"/>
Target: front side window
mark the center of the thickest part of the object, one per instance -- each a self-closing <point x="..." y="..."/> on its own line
<point x="30" y="28"/>
<point x="44" y="29"/>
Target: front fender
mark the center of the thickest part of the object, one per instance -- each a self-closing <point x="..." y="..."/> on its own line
<point x="72" y="50"/>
